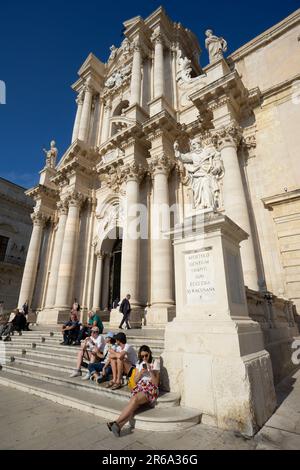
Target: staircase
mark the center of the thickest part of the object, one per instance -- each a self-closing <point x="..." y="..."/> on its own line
<point x="36" y="363"/>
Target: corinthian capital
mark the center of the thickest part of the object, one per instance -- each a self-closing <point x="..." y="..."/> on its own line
<point x="62" y="208"/>
<point x="160" y="164"/>
<point x="133" y="172"/>
<point x="74" y="199"/>
<point x="157" y="38"/>
<point x="38" y="219"/>
<point x="88" y="87"/>
<point x="230" y="135"/>
<point x="80" y="97"/>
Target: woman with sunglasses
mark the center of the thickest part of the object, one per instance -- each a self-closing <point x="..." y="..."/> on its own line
<point x="145" y="391"/>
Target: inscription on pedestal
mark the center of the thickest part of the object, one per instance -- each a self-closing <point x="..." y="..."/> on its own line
<point x="199" y="277"/>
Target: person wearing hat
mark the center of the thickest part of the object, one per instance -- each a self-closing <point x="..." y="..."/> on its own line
<point x="100" y="371"/>
<point x="91" y="349"/>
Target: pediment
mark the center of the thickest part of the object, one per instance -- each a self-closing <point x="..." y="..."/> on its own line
<point x="92" y="63"/>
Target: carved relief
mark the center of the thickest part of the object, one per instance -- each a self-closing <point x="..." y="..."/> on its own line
<point x="118" y="78"/>
<point x="133" y="172"/>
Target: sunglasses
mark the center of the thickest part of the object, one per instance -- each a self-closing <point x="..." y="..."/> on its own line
<point x="144" y="355"/>
<point x="93" y="331"/>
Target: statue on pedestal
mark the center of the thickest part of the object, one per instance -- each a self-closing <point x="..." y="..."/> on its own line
<point x="215" y="46"/>
<point x="205" y="169"/>
<point x="51" y="155"/>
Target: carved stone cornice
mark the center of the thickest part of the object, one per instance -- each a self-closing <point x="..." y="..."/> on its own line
<point x="74" y="198"/>
<point x="162" y="124"/>
<point x="160" y="164"/>
<point x="39" y="191"/>
<point x="133" y="172"/>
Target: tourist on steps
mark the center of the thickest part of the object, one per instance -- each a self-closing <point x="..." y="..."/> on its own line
<point x="70" y="329"/>
<point x="91" y="349"/>
<point x="93" y="320"/>
<point x="122" y="360"/>
<point x="146" y="378"/>
<point x="100" y="371"/>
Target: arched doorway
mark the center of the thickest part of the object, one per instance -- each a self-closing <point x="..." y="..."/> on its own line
<point x="115" y="272"/>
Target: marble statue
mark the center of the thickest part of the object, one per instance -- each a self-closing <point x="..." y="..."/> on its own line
<point x="184" y="68"/>
<point x="51" y="155"/>
<point x="205" y="169"/>
<point x="215" y="46"/>
<point x="113" y="52"/>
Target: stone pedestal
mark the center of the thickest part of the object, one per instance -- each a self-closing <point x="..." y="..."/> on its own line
<point x="53" y="316"/>
<point x="214" y="353"/>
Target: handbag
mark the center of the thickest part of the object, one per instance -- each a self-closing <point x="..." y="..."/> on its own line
<point x="131" y="382"/>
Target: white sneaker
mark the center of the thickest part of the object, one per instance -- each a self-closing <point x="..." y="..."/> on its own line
<point x="76" y="373"/>
<point x="86" y="377"/>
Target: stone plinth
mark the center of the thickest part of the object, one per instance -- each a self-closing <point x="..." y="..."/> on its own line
<point x="53" y="316"/>
<point x="214" y="353"/>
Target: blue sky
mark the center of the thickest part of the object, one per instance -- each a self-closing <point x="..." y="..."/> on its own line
<point x="43" y="45"/>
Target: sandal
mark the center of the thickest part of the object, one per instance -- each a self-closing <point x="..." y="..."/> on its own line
<point x="116" y="386"/>
<point x="109" y="384"/>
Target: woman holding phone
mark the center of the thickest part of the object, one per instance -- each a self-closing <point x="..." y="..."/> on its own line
<point x="145" y="391"/>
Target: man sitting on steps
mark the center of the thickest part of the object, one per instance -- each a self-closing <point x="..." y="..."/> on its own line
<point x="91" y="349"/>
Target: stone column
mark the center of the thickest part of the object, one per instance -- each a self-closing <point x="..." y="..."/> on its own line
<point x="56" y="256"/>
<point x="135" y="86"/>
<point x="105" y="284"/>
<point x="79" y="102"/>
<point x="86" y="113"/>
<point x="234" y="198"/>
<point x="106" y="122"/>
<point x="98" y="281"/>
<point x="158" y="66"/>
<point x="131" y="236"/>
<point x="161" y="248"/>
<point x="67" y="265"/>
<point x="30" y="270"/>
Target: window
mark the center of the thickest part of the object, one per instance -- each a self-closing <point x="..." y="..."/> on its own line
<point x="3" y="246"/>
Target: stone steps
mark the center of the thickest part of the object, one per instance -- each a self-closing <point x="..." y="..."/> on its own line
<point x="166" y="419"/>
<point x="60" y="376"/>
<point x="45" y="370"/>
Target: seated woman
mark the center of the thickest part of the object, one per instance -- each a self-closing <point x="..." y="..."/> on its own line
<point x="146" y="389"/>
<point x="100" y="371"/>
<point x="91" y="349"/>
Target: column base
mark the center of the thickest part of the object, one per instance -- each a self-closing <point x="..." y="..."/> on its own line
<point x="53" y="316"/>
<point x="159" y="316"/>
<point x="135" y="319"/>
<point x="225" y="360"/>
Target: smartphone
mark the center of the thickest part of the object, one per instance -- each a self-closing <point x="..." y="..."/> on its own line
<point x="145" y="366"/>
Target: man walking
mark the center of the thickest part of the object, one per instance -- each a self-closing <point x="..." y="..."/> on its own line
<point x="125" y="308"/>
